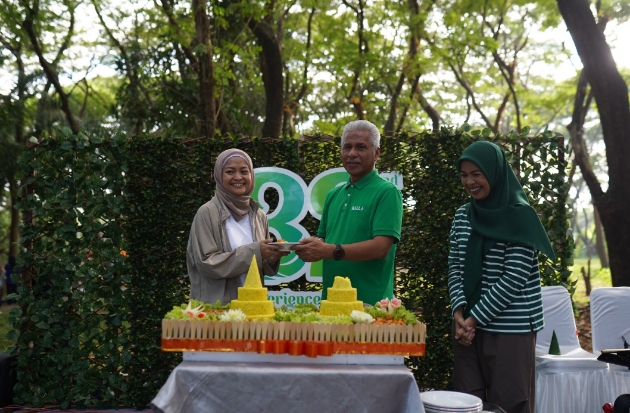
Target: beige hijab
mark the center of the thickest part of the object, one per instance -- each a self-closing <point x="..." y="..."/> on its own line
<point x="239" y="205"/>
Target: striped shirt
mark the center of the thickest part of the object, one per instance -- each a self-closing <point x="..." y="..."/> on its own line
<point x="511" y="301"/>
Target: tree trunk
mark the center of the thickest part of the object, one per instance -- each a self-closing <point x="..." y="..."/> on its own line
<point x="206" y="70"/>
<point x="26" y="273"/>
<point x="393" y="104"/>
<point x="600" y="246"/>
<point x="293" y="105"/>
<point x="48" y="68"/>
<point x="15" y="218"/>
<point x="355" y="95"/>
<point x="21" y="87"/>
<point x="587" y="279"/>
<point x="272" y="77"/>
<point x="611" y="95"/>
<point x="430" y="110"/>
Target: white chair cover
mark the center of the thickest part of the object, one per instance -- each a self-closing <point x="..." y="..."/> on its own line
<point x="574" y="381"/>
<point x="610" y="319"/>
<point x="558" y="313"/>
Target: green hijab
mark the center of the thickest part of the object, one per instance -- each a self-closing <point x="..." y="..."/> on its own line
<point x="503" y="216"/>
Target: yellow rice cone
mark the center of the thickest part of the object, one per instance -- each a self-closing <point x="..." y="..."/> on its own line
<point x="253" y="276"/>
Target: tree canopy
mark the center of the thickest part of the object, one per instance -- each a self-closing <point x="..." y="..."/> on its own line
<point x="280" y="67"/>
<point x="283" y="68"/>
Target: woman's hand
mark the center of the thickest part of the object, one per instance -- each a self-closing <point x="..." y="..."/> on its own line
<point x="464" y="329"/>
<point x="271" y="253"/>
<point x="470" y="326"/>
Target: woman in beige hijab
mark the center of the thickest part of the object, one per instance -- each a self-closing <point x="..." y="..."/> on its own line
<point x="227" y="232"/>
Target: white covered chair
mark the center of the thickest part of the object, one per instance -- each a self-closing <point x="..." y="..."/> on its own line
<point x="558" y="313"/>
<point x="610" y="319"/>
<point x="574" y="381"/>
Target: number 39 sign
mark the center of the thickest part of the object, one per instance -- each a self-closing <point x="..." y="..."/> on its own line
<point x="295" y="199"/>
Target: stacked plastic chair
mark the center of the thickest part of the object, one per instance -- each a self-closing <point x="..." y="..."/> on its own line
<point x="610" y="321"/>
<point x="574" y="381"/>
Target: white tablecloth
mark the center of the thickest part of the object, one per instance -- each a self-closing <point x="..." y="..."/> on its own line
<point x="206" y="387"/>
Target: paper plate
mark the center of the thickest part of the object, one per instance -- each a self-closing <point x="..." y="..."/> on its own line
<point x="451" y="400"/>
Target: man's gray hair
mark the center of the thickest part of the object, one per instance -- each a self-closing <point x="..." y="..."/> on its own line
<point x="359" y="125"/>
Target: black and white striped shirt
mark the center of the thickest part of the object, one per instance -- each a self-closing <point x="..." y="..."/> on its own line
<point x="511" y="301"/>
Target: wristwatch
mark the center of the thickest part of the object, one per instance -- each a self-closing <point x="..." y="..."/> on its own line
<point x="339" y="252"/>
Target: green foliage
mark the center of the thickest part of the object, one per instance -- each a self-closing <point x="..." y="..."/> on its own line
<point x="87" y="324"/>
<point x="72" y="346"/>
<point x="5" y="327"/>
<point x="603" y="273"/>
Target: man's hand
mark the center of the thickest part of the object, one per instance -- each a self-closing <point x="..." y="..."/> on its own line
<point x="313" y="249"/>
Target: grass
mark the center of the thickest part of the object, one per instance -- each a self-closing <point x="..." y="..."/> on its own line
<point x="598" y="279"/>
<point x="5" y="328"/>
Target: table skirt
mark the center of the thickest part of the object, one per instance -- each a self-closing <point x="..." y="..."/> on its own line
<point x="575" y="392"/>
<point x="618" y="382"/>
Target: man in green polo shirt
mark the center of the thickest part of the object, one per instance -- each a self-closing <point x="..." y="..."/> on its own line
<point x="361" y="221"/>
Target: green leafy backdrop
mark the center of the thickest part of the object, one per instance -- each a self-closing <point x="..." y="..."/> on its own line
<point x="107" y="224"/>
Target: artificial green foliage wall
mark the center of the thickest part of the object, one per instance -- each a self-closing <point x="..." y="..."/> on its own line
<point x="95" y="323"/>
<point x="72" y="346"/>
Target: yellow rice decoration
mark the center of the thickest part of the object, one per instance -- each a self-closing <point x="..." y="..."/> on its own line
<point x="252" y="296"/>
<point x="342" y="299"/>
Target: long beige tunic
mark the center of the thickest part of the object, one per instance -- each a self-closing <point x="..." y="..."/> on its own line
<point x="213" y="267"/>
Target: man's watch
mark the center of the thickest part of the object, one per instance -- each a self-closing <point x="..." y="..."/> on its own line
<point x="339" y="253"/>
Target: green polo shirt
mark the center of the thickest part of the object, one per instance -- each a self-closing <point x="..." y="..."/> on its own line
<point x="359" y="212"/>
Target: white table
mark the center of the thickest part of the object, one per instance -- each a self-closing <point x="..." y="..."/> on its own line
<point x="214" y="386"/>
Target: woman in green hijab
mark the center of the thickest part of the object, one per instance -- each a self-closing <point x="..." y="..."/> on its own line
<point x="494" y="283"/>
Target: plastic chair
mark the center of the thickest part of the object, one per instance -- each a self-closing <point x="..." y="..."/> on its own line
<point x="610" y="320"/>
<point x="574" y="381"/>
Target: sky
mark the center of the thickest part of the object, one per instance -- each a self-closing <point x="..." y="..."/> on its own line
<point x="617" y="36"/>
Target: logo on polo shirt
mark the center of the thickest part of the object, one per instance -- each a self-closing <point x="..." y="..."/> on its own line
<point x="357" y="208"/>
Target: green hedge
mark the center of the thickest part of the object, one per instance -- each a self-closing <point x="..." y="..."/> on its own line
<point x="72" y="345"/>
<point x="94" y="323"/>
